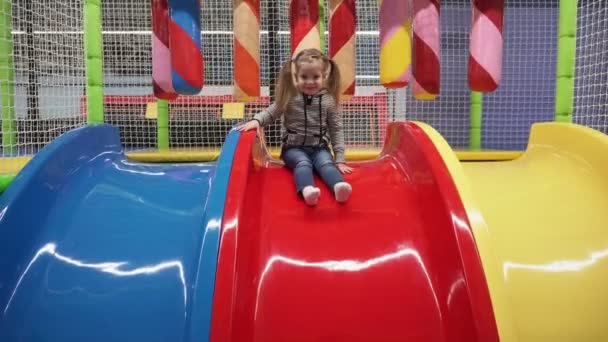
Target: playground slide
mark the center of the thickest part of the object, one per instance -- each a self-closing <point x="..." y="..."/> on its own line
<point x="541" y="226"/>
<point x="396" y="263"/>
<point x="98" y="248"/>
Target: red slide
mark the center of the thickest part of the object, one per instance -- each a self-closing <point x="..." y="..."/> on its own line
<point x="396" y="263"/>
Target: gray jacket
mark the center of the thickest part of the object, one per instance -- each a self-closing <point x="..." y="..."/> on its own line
<point x="310" y="120"/>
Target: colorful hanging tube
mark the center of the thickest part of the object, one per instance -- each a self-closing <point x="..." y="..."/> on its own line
<point x="395" y="43"/>
<point x="187" y="65"/>
<point x="485" y="49"/>
<point x="426" y="61"/>
<point x="161" y="56"/>
<point x="304" y="25"/>
<point x="246" y="19"/>
<point x="342" y="42"/>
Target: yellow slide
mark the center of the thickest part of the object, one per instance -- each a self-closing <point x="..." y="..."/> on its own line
<point x="541" y="225"/>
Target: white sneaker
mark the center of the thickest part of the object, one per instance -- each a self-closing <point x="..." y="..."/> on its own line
<point x="342" y="191"/>
<point x="311" y="195"/>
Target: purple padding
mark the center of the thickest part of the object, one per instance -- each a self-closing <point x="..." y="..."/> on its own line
<point x="527" y="92"/>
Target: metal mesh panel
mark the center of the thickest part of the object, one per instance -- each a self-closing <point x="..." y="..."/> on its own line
<point x="48" y="66"/>
<point x="449" y="112"/>
<point x="526" y="92"/>
<point x="591" y="75"/>
<point x="365" y="114"/>
<point x="128" y="70"/>
<point x="42" y="81"/>
<point x="195" y="121"/>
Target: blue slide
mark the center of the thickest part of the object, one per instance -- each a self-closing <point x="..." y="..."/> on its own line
<point x="96" y="247"/>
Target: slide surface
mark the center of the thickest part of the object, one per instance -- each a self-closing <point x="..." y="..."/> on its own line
<point x="541" y="226"/>
<point x="96" y="247"/>
<point x="396" y="263"/>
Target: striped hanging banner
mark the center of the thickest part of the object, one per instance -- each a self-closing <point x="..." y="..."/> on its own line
<point x="342" y="42"/>
<point x="304" y="25"/>
<point x="187" y="66"/>
<point x="161" y="57"/>
<point x="395" y="43"/>
<point x="246" y="19"/>
<point x="426" y="62"/>
<point x="485" y="49"/>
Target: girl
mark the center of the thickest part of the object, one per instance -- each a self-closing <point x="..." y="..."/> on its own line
<point x="307" y="96"/>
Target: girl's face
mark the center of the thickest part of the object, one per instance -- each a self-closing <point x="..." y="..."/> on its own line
<point x="309" y="79"/>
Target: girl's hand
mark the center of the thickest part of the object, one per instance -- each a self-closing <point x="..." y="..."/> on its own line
<point x="345" y="169"/>
<point x="253" y="124"/>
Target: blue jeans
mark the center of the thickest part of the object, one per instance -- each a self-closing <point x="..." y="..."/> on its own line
<point x="302" y="159"/>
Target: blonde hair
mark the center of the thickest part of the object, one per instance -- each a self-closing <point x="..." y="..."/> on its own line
<point x="286" y="82"/>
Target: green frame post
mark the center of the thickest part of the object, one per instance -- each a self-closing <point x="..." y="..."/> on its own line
<point x="5" y="180"/>
<point x="162" y="124"/>
<point x="322" y="25"/>
<point x="475" y="120"/>
<point x="566" y="58"/>
<point x="93" y="48"/>
<point x="7" y="80"/>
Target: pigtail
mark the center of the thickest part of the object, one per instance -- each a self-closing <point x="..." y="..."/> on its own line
<point x="333" y="80"/>
<point x="286" y="88"/>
